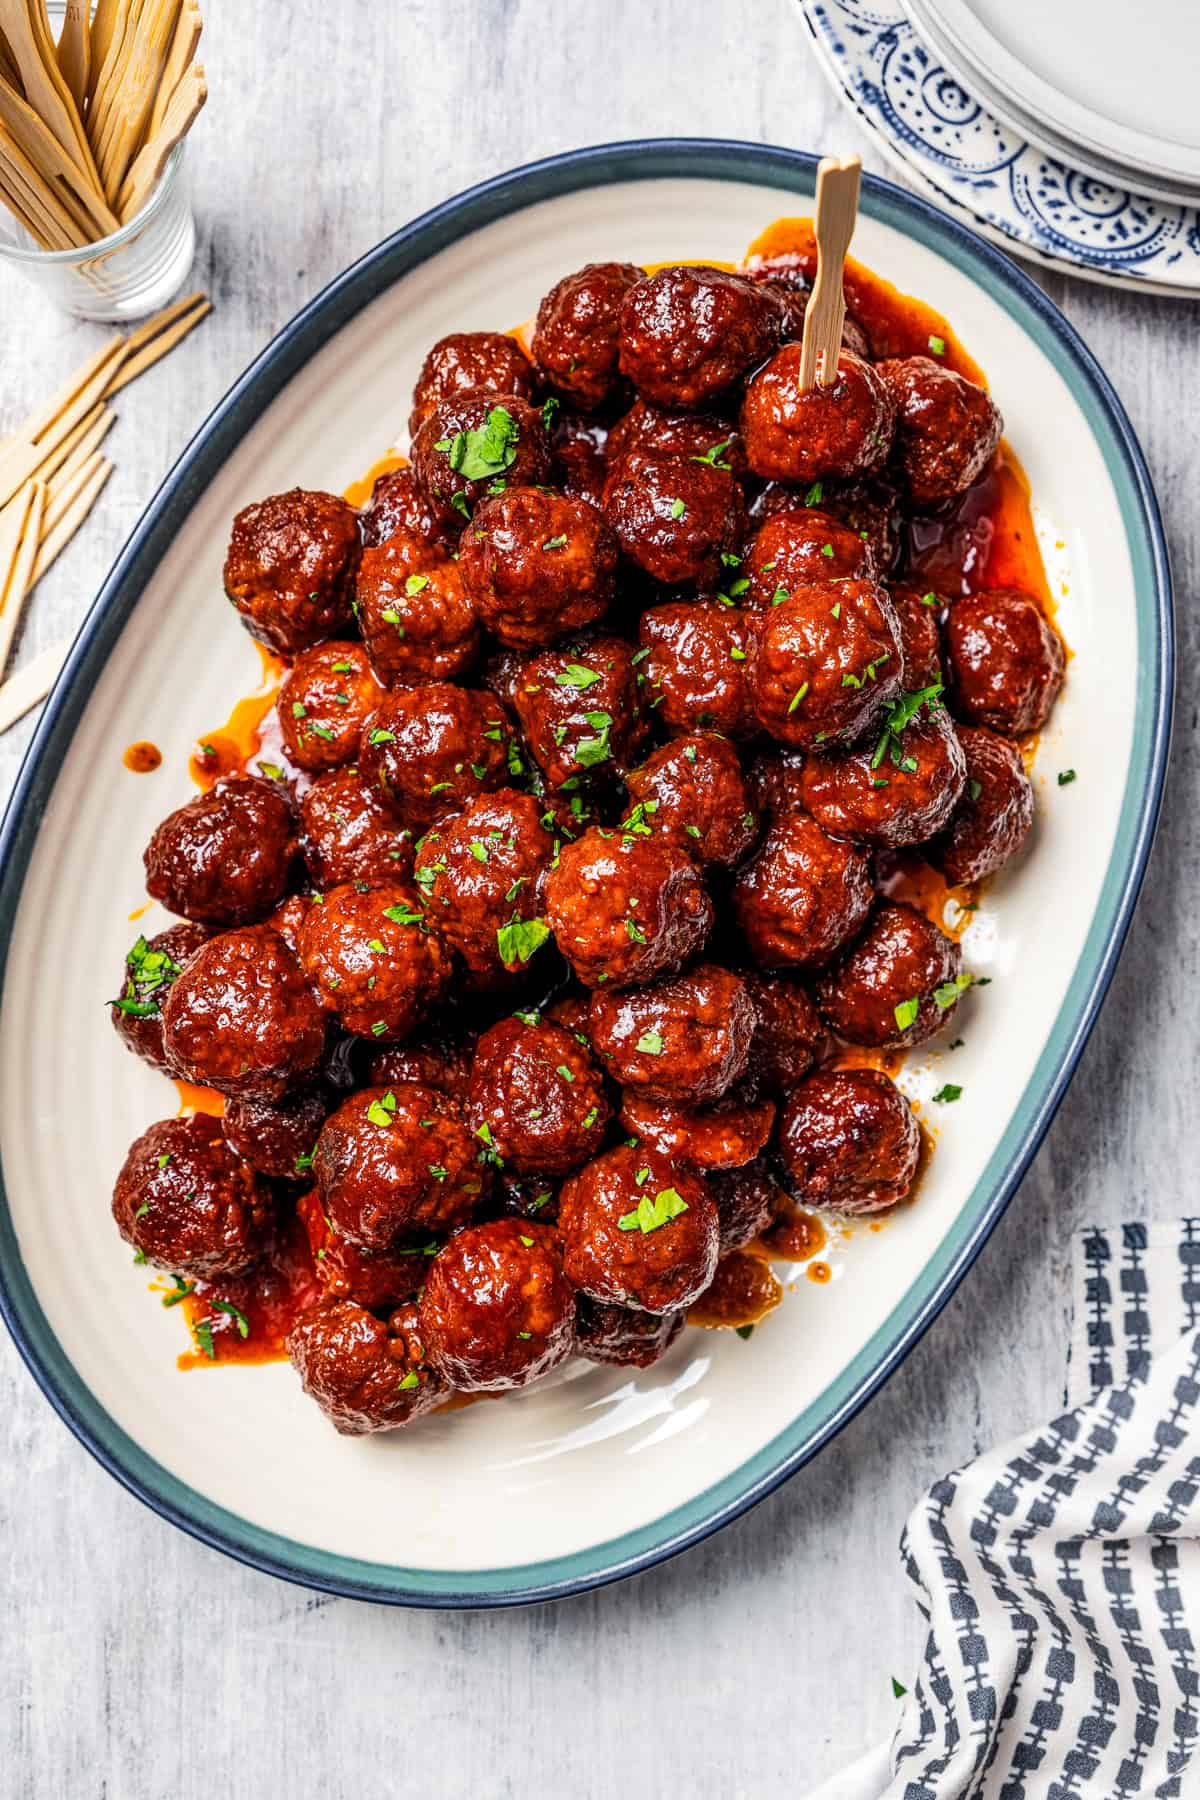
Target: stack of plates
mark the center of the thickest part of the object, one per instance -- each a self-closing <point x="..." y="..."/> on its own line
<point x="1070" y="131"/>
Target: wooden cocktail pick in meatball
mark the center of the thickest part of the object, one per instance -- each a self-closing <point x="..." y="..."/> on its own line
<point x="836" y="211"/>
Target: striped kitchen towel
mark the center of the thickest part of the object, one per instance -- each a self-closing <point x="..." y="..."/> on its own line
<point x="1060" y="1574"/>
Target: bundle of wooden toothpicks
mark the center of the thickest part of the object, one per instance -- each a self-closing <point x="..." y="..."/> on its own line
<point x="87" y="124"/>
<point x="51" y="471"/>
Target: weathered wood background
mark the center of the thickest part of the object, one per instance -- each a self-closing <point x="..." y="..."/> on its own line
<point x="136" y="1664"/>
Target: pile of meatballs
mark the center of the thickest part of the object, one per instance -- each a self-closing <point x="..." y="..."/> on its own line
<point x="527" y="975"/>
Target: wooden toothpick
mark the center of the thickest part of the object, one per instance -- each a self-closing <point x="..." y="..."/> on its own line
<point x="836" y="210"/>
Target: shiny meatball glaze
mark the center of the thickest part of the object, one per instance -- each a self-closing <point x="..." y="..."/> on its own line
<point x="323" y="700"/>
<point x="537" y="566"/>
<point x="747" y="1202"/>
<point x="788" y="1033"/>
<point x="702" y="437"/>
<point x="638" y="1231"/>
<point x="849" y="1141"/>
<point x="897" y="788"/>
<point x="917" y="610"/>
<point x="726" y="1135"/>
<point x="472" y="443"/>
<point x="687" y="334"/>
<point x="803" y="436"/>
<point x="897" y="986"/>
<point x="621" y="1336"/>
<point x="687" y="1038"/>
<point x="395" y="1161"/>
<point x="482" y="873"/>
<point x="187" y="1203"/>
<point x="395" y="505"/>
<point x="348" y="834"/>
<point x="375" y="957"/>
<point x="994" y="814"/>
<point x="675" y="517"/>
<point x="1004" y="660"/>
<point x="418" y="622"/>
<point x="579" y="709"/>
<point x="430" y="750"/>
<point x="290" y="569"/>
<point x="947" y="428"/>
<point x="828" y="663"/>
<point x="626" y="909"/>
<point x="366" y="1374"/>
<point x="147" y="973"/>
<point x="694" y="671"/>
<point x="802" y="548"/>
<point x="437" y="1062"/>
<point x="242" y="1018"/>
<point x="575" y="340"/>
<point x="802" y="895"/>
<point x="464" y="361"/>
<point x="497" y="1309"/>
<point x="276" y="1137"/>
<point x="692" y="793"/>
<point x="376" y="1279"/>
<point x="225" y="857"/>
<point x="536" y="1099"/>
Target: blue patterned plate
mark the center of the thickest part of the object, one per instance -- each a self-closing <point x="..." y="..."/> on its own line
<point x="963" y="156"/>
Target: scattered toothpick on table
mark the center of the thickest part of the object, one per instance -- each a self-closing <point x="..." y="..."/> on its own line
<point x="51" y="471"/>
<point x="87" y="124"/>
<point x="836" y="211"/>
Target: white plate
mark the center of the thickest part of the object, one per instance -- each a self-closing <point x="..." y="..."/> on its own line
<point x="595" y="1471"/>
<point x="966" y="158"/>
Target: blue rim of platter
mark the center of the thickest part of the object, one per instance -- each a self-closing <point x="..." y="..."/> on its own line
<point x="965" y="156"/>
<point x="792" y="172"/>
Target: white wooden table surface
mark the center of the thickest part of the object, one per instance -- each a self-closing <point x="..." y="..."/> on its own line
<point x="136" y="1664"/>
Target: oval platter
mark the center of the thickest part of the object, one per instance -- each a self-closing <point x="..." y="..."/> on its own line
<point x="595" y="1472"/>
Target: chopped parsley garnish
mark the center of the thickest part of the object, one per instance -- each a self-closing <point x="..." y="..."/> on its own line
<point x="202" y="1332"/>
<point x="148" y="972"/>
<point x="576" y="675"/>
<point x="712" y="456"/>
<point x="378" y="736"/>
<point x="415" y="583"/>
<point x="938" y="345"/>
<point x="650" y="1043"/>
<point x="271" y="770"/>
<point x="780" y="595"/>
<point x="815" y="494"/>
<point x="797" y="697"/>
<point x="403" y="915"/>
<point x="899" y="715"/>
<point x="520" y="939"/>
<point x="905" y="1012"/>
<point x="382" y="1112"/>
<point x="528" y="1243"/>
<point x="409" y="1381"/>
<point x="478" y="455"/>
<point x="745" y="1331"/>
<point x="826" y="549"/>
<point x="239" y="1318"/>
<point x="946" y="1094"/>
<point x="651" y="1214"/>
<point x="550" y="408"/>
<point x="634" y="932"/>
<point x="945" y="995"/>
<point x="1065" y="777"/>
<point x="929" y="599"/>
<point x="555" y="543"/>
<point x="565" y="1072"/>
<point x="974" y="788"/>
<point x="678" y="508"/>
<point x="303" y="1163"/>
<point x="898" y="1689"/>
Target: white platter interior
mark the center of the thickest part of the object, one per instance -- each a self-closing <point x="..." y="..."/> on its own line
<point x="592" y="1453"/>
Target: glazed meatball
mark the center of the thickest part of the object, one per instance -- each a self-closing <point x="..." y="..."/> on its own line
<point x="684" y="1039"/>
<point x="871" y="508"/>
<point x="774" y="782"/>
<point x="1005" y="662"/>
<point x="365" y="1375"/>
<point x="618" y="1335"/>
<point x="376" y="1279"/>
<point x="697" y="437"/>
<point x="497" y="1310"/>
<point x="290" y="569"/>
<point x="828" y="663"/>
<point x="579" y="452"/>
<point x="579" y="708"/>
<point x="791" y="289"/>
<point x="898" y="985"/>
<point x="697" y="654"/>
<point x="800" y="436"/>
<point x="674" y="516"/>
<point x="894" y="791"/>
<point x="687" y="334"/>
<point x="476" y="444"/>
<point x="691" y="792"/>
<point x="728" y="1134"/>
<point x="225" y="857"/>
<point x="537" y="566"/>
<point x="347" y="834"/>
<point x="187" y="1203"/>
<point x="441" y="1063"/>
<point x="993" y="816"/>
<point x="625" y="909"/>
<point x="276" y="1138"/>
<point x="788" y="1033"/>
<point x="746" y="1204"/>
<point x="575" y="340"/>
<point x="323" y="700"/>
<point x="375" y="958"/>
<point x="417" y="620"/>
<point x="801" y="549"/>
<point x="465" y="361"/>
<point x="536" y="1098"/>
<point x="242" y="1017"/>
<point x="947" y="427"/>
<point x="920" y="640"/>
<point x="430" y="750"/>
<point x="146" y="977"/>
<point x="395" y="505"/>
<point x="392" y="1161"/>
<point x="802" y="895"/>
<point x="849" y="1141"/>
<point x="288" y="919"/>
<point x="482" y="873"/>
<point x="638" y="1231"/>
